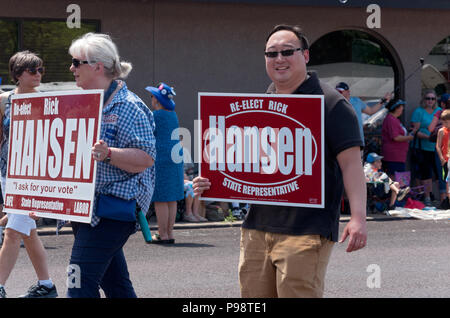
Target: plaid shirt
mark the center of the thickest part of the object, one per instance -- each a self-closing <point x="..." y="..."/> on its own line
<point x="126" y="123"/>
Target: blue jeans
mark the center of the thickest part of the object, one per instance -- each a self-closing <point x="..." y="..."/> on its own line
<point x="97" y="252"/>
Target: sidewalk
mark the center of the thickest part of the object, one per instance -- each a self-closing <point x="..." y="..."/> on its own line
<point x="51" y="229"/>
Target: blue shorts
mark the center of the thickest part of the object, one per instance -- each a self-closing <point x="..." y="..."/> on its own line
<point x="188" y="189"/>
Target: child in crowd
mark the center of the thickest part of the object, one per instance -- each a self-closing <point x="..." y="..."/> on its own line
<point x="238" y="212"/>
<point x="442" y="149"/>
<point x="383" y="185"/>
<point x="192" y="203"/>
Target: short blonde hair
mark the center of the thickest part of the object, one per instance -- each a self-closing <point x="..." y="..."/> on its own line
<point x="445" y="115"/>
<point x="97" y="47"/>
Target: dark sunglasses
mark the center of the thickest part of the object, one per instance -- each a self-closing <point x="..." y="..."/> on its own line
<point x="76" y="62"/>
<point x="430" y="98"/>
<point x="273" y="54"/>
<point x="34" y="70"/>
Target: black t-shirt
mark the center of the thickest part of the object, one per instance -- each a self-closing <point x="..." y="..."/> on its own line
<point x="341" y="132"/>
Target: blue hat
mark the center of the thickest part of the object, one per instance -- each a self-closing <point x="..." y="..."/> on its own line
<point x="342" y="86"/>
<point x="372" y="157"/>
<point x="445" y="97"/>
<point x="392" y="105"/>
<point x="164" y="94"/>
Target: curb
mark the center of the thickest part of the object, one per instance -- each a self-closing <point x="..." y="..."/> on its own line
<point x="51" y="230"/>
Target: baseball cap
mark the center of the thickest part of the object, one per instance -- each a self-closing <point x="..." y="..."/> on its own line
<point x="372" y="157"/>
<point x="164" y="94"/>
<point x="392" y="105"/>
<point x="342" y="86"/>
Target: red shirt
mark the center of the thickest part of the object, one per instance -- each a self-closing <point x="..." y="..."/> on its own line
<point x="393" y="150"/>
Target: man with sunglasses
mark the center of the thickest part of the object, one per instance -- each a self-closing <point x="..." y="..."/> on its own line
<point x="285" y="250"/>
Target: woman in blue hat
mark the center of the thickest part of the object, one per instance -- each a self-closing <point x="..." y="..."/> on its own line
<point x="169" y="182"/>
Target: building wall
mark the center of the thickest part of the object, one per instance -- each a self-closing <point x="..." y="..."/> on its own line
<point x="218" y="47"/>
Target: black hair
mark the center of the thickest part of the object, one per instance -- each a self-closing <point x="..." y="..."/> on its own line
<point x="294" y="29"/>
<point x="392" y="103"/>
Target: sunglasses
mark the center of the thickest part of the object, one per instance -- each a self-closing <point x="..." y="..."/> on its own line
<point x="34" y="70"/>
<point x="290" y="52"/>
<point x="76" y="62"/>
<point x="430" y="98"/>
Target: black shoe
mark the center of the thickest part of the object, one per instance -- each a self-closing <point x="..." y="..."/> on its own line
<point x="445" y="205"/>
<point x="402" y="193"/>
<point x="40" y="291"/>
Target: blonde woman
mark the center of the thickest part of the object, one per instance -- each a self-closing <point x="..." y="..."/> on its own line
<point x="125" y="174"/>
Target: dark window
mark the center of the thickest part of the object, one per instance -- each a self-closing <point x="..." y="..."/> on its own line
<point x="357" y="58"/>
<point x="50" y="39"/>
<point x="349" y="46"/>
<point x="8" y="46"/>
<point x="436" y="72"/>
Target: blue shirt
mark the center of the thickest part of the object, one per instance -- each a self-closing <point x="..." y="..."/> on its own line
<point x="358" y="106"/>
<point x="420" y="115"/>
<point x="126" y="123"/>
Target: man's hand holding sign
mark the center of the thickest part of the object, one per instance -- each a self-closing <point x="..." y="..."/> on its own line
<point x="263" y="148"/>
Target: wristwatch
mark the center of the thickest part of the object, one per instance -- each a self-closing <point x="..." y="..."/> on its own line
<point x="108" y="157"/>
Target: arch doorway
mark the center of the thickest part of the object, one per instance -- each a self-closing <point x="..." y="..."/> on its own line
<point x="370" y="67"/>
<point x="436" y="70"/>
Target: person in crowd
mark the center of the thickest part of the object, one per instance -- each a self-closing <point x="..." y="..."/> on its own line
<point x="359" y="106"/>
<point x="125" y="155"/>
<point x="395" y="139"/>
<point x="169" y="174"/>
<point x="238" y="212"/>
<point x="442" y="149"/>
<point x="26" y="70"/>
<point x="2" y="221"/>
<point x="445" y="101"/>
<point x="420" y="121"/>
<point x="436" y="123"/>
<point x="192" y="203"/>
<point x="384" y="186"/>
<point x="301" y="238"/>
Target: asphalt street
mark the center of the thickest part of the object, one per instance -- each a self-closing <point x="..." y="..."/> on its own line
<point x="403" y="258"/>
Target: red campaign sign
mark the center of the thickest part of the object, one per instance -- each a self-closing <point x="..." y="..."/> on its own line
<point x="50" y="167"/>
<point x="263" y="148"/>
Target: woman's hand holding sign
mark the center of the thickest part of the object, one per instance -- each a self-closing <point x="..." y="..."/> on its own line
<point x="100" y="150"/>
<point x="131" y="160"/>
